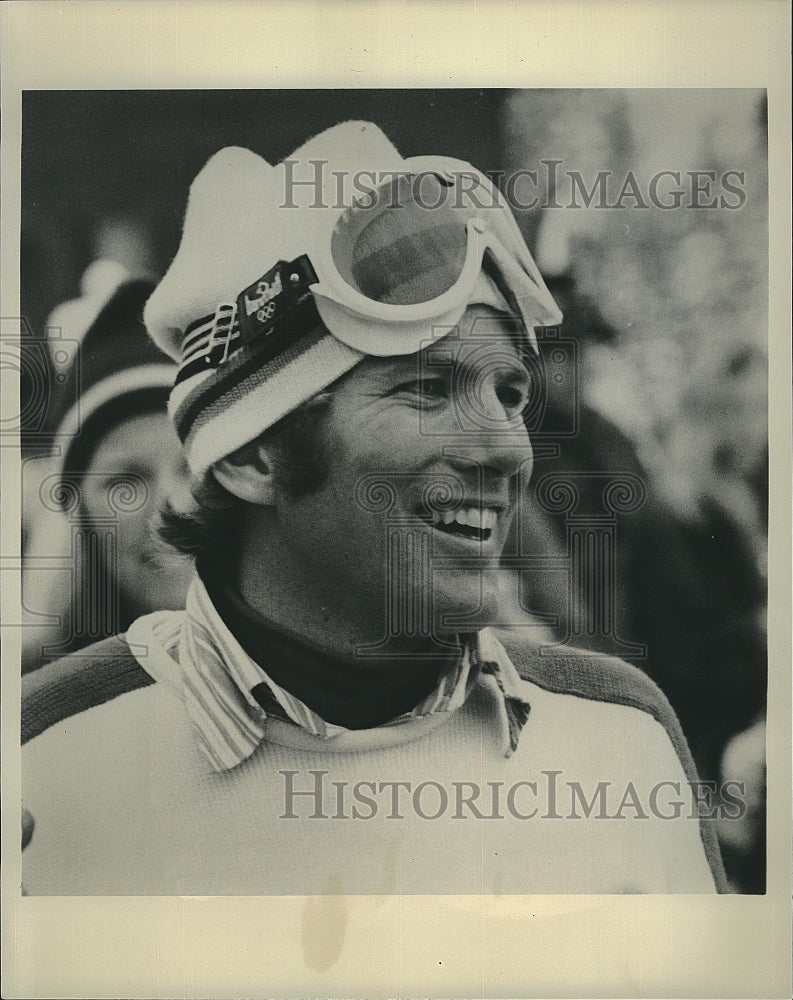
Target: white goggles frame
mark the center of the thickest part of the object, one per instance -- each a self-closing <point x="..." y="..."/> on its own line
<point x="404" y="329"/>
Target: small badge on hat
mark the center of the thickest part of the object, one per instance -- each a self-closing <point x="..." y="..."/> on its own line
<point x="262" y="305"/>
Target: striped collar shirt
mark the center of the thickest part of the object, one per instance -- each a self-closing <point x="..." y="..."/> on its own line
<point x="218" y="680"/>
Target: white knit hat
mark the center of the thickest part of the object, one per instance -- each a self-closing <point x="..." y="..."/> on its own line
<point x="245" y="218"/>
<point x="117" y="371"/>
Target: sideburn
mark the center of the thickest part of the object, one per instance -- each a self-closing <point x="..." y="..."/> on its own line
<point x="298" y="448"/>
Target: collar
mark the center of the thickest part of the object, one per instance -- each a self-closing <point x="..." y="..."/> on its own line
<point x="217" y="678"/>
<point x="345" y="690"/>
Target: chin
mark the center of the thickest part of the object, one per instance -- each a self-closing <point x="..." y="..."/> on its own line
<point x="466" y="600"/>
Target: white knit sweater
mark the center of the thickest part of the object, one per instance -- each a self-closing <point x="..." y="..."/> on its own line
<point x="124" y="804"/>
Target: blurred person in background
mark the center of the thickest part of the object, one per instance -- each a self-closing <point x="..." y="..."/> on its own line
<point x="668" y="309"/>
<point x="91" y="558"/>
<point x="743" y="842"/>
<point x="689" y="590"/>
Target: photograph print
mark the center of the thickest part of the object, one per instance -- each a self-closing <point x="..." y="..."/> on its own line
<point x="394" y="491"/>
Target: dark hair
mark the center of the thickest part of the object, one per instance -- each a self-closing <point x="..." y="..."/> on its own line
<point x="297" y="449"/>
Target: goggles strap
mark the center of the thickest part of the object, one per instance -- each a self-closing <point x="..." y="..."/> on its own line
<point x="493" y="271"/>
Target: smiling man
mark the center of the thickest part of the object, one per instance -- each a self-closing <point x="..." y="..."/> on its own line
<point x="330" y="712"/>
<point x="319" y="556"/>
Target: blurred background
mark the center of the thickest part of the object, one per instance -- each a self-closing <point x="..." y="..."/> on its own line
<point x="665" y="309"/>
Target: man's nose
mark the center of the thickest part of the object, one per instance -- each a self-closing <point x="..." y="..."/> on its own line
<point x="499" y="438"/>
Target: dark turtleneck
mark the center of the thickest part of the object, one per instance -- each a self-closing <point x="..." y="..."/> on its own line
<point x="356" y="693"/>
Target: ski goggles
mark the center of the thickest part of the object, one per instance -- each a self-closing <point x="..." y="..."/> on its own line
<point x="388" y="274"/>
<point x="407" y="254"/>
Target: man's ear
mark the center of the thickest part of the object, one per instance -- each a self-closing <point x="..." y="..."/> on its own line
<point x="247" y="474"/>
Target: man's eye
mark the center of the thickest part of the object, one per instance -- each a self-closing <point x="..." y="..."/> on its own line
<point x="514" y="398"/>
<point x="133" y="486"/>
<point x="429" y="389"/>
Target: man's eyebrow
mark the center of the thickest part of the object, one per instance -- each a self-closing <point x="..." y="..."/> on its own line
<point x="515" y="365"/>
<point x="118" y="464"/>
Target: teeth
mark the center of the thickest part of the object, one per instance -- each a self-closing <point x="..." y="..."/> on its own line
<point x="471" y="517"/>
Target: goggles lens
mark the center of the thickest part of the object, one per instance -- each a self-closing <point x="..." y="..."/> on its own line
<point x="405" y="243"/>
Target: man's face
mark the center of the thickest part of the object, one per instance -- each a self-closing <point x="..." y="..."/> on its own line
<point x="424" y="456"/>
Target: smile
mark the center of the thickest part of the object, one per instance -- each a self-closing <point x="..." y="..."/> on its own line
<point x="466" y="522"/>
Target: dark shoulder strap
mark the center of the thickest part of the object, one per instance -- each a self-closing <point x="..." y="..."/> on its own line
<point x="606" y="678"/>
<point x="78" y="682"/>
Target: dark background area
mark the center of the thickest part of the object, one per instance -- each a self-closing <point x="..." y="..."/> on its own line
<point x="92" y="156"/>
